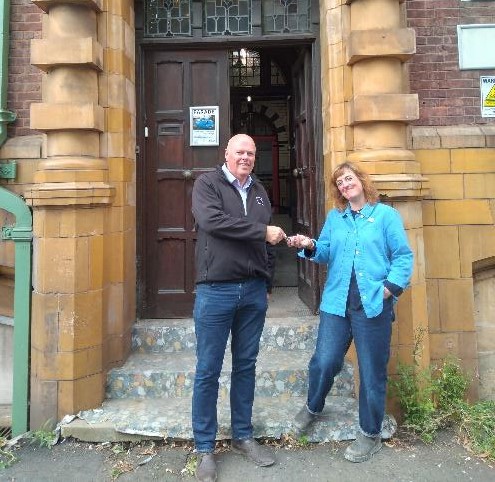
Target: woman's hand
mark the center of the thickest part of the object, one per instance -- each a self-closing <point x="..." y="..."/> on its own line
<point x="300" y="241"/>
<point x="386" y="293"/>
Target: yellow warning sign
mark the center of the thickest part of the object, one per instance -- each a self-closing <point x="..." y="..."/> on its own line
<point x="490" y="98"/>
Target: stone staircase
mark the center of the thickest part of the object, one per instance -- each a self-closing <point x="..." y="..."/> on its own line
<point x="150" y="395"/>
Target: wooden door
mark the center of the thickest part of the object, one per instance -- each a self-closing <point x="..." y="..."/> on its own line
<point x="174" y="81"/>
<point x="304" y="173"/>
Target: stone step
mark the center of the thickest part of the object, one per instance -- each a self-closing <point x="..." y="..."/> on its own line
<point x="173" y="335"/>
<point x="172" y="375"/>
<point x="171" y="418"/>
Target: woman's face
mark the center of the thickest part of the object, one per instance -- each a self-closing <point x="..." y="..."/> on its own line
<point x="350" y="187"/>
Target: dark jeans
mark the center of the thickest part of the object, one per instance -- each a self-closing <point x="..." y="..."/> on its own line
<point x="372" y="340"/>
<point x="223" y="308"/>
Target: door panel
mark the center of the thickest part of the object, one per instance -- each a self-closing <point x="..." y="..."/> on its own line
<point x="174" y="81"/>
<point x="304" y="172"/>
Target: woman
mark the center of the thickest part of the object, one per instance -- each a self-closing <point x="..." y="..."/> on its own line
<point x="369" y="260"/>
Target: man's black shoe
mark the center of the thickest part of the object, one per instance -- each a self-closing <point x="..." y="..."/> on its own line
<point x="206" y="470"/>
<point x="253" y="451"/>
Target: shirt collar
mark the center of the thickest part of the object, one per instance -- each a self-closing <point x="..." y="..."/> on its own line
<point x="233" y="180"/>
<point x="366" y="210"/>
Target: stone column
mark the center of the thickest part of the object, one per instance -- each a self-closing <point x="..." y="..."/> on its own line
<point x="71" y="201"/>
<point x="366" y="111"/>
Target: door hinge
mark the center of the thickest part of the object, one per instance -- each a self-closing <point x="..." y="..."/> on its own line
<point x="138" y="150"/>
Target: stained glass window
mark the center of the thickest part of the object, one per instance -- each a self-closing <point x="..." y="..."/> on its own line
<point x="245" y="68"/>
<point x="286" y="16"/>
<point x="168" y="18"/>
<point x="227" y="17"/>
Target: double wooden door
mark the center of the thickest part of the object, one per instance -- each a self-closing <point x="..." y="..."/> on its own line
<point x="173" y="81"/>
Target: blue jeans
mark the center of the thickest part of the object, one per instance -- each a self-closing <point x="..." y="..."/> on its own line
<point x="222" y="308"/>
<point x="372" y="340"/>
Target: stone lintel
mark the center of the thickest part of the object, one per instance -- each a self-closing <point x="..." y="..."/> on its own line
<point x="384" y="107"/>
<point x="45" y="5"/>
<point x="61" y="117"/>
<point x="49" y="53"/>
<point x="397" y="43"/>
<point x="69" y="194"/>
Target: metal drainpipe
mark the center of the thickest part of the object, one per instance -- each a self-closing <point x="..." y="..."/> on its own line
<point x="21" y="233"/>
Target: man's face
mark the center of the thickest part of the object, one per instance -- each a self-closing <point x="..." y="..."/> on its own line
<point x="239" y="157"/>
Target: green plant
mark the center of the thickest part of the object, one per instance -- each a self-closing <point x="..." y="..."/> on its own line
<point x="449" y="385"/>
<point x="434" y="397"/>
<point x="190" y="467"/>
<point x="478" y="423"/>
<point x="43" y="437"/>
<point x="303" y="441"/>
<point x="7" y="458"/>
<point x="413" y="389"/>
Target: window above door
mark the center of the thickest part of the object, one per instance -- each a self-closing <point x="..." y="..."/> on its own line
<point x="217" y="18"/>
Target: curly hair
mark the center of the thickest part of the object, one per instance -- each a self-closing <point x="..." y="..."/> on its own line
<point x="369" y="190"/>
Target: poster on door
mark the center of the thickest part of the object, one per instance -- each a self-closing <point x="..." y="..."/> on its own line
<point x="487" y="88"/>
<point x="204" y="126"/>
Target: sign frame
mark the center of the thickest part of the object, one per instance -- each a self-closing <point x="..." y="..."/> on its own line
<point x="487" y="89"/>
<point x="204" y="125"/>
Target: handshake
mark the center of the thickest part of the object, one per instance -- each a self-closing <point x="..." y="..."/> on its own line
<point x="274" y="235"/>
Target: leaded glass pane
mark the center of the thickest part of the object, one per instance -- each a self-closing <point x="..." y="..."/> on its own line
<point x="276" y="75"/>
<point x="168" y="18"/>
<point x="227" y="17"/>
<point x="244" y="68"/>
<point x="286" y="16"/>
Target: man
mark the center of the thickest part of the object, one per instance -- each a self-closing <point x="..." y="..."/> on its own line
<point x="232" y="214"/>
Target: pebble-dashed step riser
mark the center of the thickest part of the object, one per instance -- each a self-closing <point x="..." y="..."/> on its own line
<point x="180" y="384"/>
<point x="278" y="334"/>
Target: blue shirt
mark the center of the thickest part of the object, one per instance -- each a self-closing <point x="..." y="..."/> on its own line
<point x="375" y="244"/>
<point x="243" y="190"/>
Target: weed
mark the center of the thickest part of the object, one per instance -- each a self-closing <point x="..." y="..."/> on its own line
<point x="43" y="437"/>
<point x="434" y="398"/>
<point x="303" y="441"/>
<point x="7" y="458"/>
<point x="190" y="467"/>
<point x="121" y="467"/>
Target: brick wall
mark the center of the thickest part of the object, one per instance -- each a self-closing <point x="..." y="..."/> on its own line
<point x="447" y="96"/>
<point x="24" y="79"/>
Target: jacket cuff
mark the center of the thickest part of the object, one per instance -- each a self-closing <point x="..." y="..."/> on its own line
<point x="396" y="290"/>
<point x="309" y="253"/>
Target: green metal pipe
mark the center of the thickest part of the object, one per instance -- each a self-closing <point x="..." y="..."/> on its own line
<point x="21" y="233"/>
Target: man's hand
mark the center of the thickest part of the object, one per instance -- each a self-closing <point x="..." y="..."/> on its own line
<point x="274" y="234"/>
<point x="386" y="293"/>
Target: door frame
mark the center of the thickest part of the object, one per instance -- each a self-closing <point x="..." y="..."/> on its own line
<point x="145" y="45"/>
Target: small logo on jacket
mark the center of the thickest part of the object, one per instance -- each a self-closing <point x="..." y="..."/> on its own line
<point x="259" y="200"/>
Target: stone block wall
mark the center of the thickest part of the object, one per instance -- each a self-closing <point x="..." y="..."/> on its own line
<point x="83" y="196"/>
<point x="447" y="95"/>
<point x="459" y="234"/>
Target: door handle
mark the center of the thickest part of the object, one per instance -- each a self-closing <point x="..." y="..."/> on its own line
<point x="298" y="172"/>
<point x="187" y="173"/>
